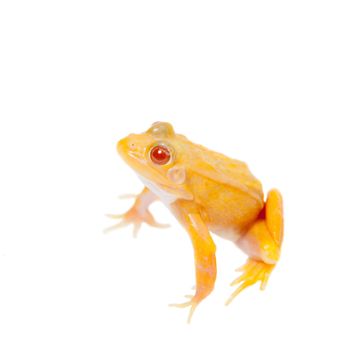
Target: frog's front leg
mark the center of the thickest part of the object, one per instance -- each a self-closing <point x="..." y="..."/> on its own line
<point x="138" y="213"/>
<point x="262" y="243"/>
<point x="204" y="253"/>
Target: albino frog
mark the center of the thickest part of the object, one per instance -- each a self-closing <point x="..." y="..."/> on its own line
<point x="206" y="192"/>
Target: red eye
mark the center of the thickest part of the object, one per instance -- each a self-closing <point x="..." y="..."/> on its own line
<point x="160" y="155"/>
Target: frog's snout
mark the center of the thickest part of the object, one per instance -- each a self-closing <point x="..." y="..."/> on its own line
<point x="126" y="144"/>
<point x="129" y="147"/>
<point x="121" y="145"/>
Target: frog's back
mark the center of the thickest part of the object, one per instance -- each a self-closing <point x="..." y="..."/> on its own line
<point x="225" y="171"/>
<point x="229" y="196"/>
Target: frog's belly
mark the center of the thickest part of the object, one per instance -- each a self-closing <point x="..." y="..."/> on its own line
<point x="226" y="233"/>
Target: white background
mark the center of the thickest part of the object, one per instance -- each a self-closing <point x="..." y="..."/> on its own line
<point x="266" y="82"/>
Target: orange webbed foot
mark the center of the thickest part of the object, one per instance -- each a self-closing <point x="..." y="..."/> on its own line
<point x="252" y="272"/>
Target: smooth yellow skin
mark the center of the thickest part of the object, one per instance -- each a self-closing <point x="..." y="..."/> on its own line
<point x="207" y="192"/>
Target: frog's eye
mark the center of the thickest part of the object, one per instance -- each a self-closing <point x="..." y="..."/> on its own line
<point x="160" y="154"/>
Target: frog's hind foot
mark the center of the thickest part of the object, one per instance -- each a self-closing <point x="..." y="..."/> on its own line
<point x="253" y="271"/>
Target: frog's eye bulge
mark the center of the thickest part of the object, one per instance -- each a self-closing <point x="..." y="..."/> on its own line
<point x="160" y="154"/>
<point x="161" y="130"/>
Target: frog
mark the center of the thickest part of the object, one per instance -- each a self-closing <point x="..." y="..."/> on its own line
<point x="208" y="193"/>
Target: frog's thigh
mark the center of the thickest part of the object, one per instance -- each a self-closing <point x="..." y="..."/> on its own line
<point x="264" y="238"/>
<point x="274" y="215"/>
<point x="258" y="244"/>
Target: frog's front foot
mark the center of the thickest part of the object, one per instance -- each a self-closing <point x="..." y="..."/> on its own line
<point x="136" y="218"/>
<point x="252" y="272"/>
<point x="191" y="303"/>
<point x="137" y="214"/>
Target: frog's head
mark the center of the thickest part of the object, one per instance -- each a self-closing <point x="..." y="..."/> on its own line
<point x="157" y="157"/>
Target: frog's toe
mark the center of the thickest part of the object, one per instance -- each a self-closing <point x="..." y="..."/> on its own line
<point x="120" y="224"/>
<point x="127" y="196"/>
<point x="193" y="303"/>
<point x="131" y="217"/>
<point x="252" y="272"/>
<point x="125" y="222"/>
<point x="149" y="219"/>
<point x="136" y="229"/>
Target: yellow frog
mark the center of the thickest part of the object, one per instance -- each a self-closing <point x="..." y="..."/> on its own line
<point x="206" y="192"/>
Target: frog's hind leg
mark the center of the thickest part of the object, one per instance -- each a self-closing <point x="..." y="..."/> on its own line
<point x="262" y="243"/>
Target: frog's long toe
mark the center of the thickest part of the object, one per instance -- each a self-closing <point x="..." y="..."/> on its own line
<point x="192" y="303"/>
<point x="120" y="224"/>
<point x="127" y="196"/>
<point x="252" y="272"/>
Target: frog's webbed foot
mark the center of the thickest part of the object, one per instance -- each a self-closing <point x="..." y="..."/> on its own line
<point x="137" y="214"/>
<point x="253" y="271"/>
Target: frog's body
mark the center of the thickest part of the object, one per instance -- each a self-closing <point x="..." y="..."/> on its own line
<point x="206" y="191"/>
<point x="220" y="201"/>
